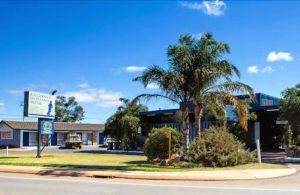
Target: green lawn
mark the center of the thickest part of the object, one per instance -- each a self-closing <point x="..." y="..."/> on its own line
<point x="107" y="161"/>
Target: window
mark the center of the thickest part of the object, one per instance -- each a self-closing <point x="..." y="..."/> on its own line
<point x="267" y="102"/>
<point x="6" y="134"/>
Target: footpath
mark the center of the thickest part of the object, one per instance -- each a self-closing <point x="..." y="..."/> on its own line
<point x="216" y="175"/>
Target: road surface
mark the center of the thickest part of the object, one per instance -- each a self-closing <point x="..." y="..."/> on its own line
<point x="34" y="184"/>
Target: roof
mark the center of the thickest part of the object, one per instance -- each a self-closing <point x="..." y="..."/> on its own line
<point x="263" y="102"/>
<point x="62" y="126"/>
<point x="154" y="112"/>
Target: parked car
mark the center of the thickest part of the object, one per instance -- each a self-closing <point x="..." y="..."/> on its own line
<point x="73" y="141"/>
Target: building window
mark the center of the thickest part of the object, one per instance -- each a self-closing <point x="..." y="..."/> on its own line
<point x="267" y="102"/>
<point x="6" y="135"/>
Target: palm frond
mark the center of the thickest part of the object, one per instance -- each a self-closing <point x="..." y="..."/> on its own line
<point x="148" y="97"/>
<point x="151" y="75"/>
<point x="234" y="87"/>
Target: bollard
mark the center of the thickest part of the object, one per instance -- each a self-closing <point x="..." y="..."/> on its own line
<point x="258" y="151"/>
<point x="6" y="150"/>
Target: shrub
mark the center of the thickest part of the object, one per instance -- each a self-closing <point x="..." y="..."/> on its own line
<point x="219" y="148"/>
<point x="157" y="144"/>
<point x="293" y="151"/>
<point x="184" y="164"/>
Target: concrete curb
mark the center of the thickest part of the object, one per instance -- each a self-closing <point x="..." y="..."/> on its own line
<point x="250" y="174"/>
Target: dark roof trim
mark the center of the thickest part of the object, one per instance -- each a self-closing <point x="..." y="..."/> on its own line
<point x="60" y="126"/>
<point x="168" y="111"/>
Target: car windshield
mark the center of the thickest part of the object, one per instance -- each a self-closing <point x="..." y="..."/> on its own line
<point x="74" y="138"/>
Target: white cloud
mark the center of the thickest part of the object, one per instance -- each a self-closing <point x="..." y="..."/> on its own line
<point x="256" y="69"/>
<point x="252" y="69"/>
<point x="100" y="97"/>
<point x="277" y="56"/>
<point x="2" y="106"/>
<point x="267" y="69"/>
<point x="44" y="87"/>
<point x="83" y="85"/>
<point x="18" y="92"/>
<point x="152" y="86"/>
<point x="214" y="8"/>
<point x="197" y="35"/>
<point x="135" y="68"/>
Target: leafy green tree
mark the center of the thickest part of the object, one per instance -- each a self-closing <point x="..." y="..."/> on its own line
<point x="123" y="125"/>
<point x="289" y="108"/>
<point x="68" y="110"/>
<point x="157" y="144"/>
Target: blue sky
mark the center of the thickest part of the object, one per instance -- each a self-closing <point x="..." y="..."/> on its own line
<point x="93" y="49"/>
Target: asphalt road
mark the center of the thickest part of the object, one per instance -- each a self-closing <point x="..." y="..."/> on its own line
<point x="33" y="184"/>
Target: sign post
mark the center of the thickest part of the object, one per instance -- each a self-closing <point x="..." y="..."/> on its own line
<point x="170" y="137"/>
<point x="38" y="154"/>
<point x="41" y="106"/>
<point x="47" y="128"/>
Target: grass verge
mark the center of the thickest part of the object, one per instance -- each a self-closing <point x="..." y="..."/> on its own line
<point x="109" y="162"/>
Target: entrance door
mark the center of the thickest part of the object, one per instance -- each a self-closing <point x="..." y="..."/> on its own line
<point x="54" y="139"/>
<point x="25" y="138"/>
<point x="101" y="138"/>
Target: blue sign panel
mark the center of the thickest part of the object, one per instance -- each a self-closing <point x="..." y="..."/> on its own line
<point x="47" y="127"/>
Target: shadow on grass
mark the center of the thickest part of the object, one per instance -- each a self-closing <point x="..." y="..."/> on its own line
<point x="9" y="157"/>
<point x="68" y="168"/>
<point x="92" y="167"/>
<point x="132" y="166"/>
<point x="139" y="162"/>
<point x="110" y="152"/>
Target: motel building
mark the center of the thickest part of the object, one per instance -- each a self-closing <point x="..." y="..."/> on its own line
<point x="264" y="128"/>
<point x="24" y="133"/>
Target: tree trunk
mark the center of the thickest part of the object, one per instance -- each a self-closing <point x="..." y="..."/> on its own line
<point x="198" y="110"/>
<point x="225" y="118"/>
<point x="185" y="128"/>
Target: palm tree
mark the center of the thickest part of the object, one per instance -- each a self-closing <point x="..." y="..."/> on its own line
<point x="131" y="107"/>
<point x="210" y="78"/>
<point x="199" y="74"/>
<point x="174" y="87"/>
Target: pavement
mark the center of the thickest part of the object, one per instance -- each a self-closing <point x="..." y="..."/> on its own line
<point x="215" y="175"/>
<point x="23" y="184"/>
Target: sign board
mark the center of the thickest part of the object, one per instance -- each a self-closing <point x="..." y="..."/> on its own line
<point x="282" y="122"/>
<point x="39" y="105"/>
<point x="47" y="127"/>
<point x="6" y="134"/>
